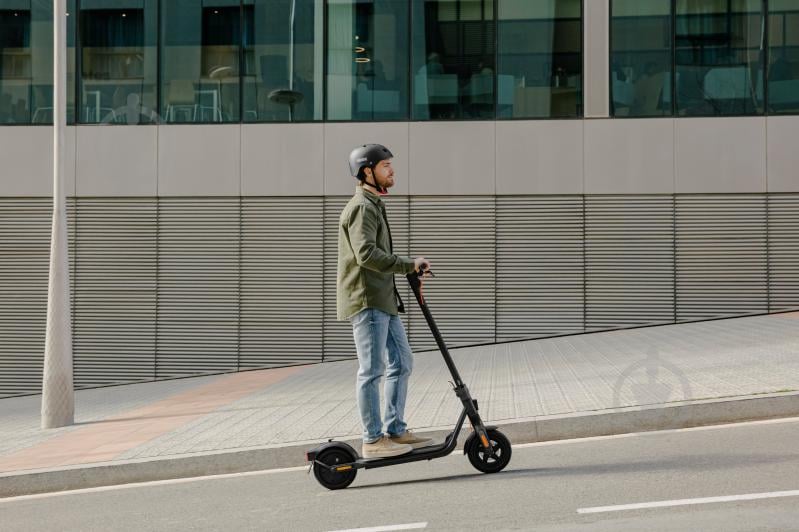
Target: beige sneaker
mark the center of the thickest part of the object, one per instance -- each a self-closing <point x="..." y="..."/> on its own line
<point x="414" y="441"/>
<point x="384" y="448"/>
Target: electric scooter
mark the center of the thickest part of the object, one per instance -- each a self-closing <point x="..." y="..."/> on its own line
<point x="336" y="463"/>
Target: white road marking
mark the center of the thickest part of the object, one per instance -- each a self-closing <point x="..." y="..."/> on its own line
<point x="409" y="526"/>
<point x="688" y="502"/>
<point x="133" y="485"/>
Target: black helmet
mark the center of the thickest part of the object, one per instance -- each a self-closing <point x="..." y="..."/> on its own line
<point x="367" y="155"/>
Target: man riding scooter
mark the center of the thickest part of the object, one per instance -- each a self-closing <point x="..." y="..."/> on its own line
<point x="367" y="296"/>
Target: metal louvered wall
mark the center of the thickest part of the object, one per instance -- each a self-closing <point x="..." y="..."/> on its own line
<point x="783" y="252"/>
<point x="629" y="261"/>
<point x="115" y="291"/>
<point x="720" y="256"/>
<point x="198" y="286"/>
<point x="457" y="235"/>
<point x="171" y="287"/>
<point x="281" y="282"/>
<point x="540" y="267"/>
<point x="25" y="228"/>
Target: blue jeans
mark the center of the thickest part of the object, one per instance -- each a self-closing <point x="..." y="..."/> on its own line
<point x="376" y="332"/>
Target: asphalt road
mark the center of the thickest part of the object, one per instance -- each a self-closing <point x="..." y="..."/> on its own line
<point x="575" y="485"/>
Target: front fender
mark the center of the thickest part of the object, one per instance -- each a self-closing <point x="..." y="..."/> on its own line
<point x="473" y="438"/>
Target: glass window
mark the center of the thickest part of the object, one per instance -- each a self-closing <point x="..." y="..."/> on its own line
<point x="118" y="61"/>
<point x="783" y="70"/>
<point x="719" y="56"/>
<point x="367" y="60"/>
<point x="282" y="60"/>
<point x="540" y="59"/>
<point x="26" y="62"/>
<point x="200" y="42"/>
<point x="641" y="58"/>
<point x="453" y="66"/>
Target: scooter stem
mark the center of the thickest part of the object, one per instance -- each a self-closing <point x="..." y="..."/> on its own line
<point x="415" y="280"/>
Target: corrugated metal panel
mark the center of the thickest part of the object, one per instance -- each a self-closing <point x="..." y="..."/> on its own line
<point x="198" y="286"/>
<point x="721" y="256"/>
<point x="281" y="282"/>
<point x="783" y="252"/>
<point x="115" y="291"/>
<point x="210" y="303"/>
<point x="337" y="335"/>
<point x="457" y="233"/>
<point x="539" y="266"/>
<point x="25" y="228"/>
<point x="629" y="261"/>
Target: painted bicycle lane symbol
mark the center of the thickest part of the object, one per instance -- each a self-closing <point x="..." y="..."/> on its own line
<point x="651" y="380"/>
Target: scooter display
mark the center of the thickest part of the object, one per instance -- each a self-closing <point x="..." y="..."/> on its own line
<point x="336" y="463"/>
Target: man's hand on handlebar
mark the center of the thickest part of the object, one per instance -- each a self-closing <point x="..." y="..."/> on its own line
<point x="422" y="265"/>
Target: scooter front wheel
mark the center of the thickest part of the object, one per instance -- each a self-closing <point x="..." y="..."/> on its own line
<point x="334" y="480"/>
<point x="482" y="459"/>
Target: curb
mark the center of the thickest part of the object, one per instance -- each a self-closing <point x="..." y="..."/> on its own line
<point x="527" y="430"/>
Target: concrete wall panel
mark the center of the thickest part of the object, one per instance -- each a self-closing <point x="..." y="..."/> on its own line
<point x="717" y="155"/>
<point x="629" y="156"/>
<point x="452" y="158"/>
<point x="783" y="154"/>
<point x="540" y="157"/>
<point x="199" y="160"/>
<point x="117" y="161"/>
<point x="282" y="159"/>
<point x="26" y="153"/>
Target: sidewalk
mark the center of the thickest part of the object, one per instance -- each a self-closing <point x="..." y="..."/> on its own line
<point x="593" y="384"/>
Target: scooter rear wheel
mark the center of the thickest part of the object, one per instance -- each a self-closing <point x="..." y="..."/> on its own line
<point x="482" y="459"/>
<point x="334" y="480"/>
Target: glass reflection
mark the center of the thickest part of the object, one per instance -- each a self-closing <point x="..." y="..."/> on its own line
<point x="453" y="59"/>
<point x="200" y="42"/>
<point x="641" y="58"/>
<point x="367" y="63"/>
<point x="783" y="69"/>
<point x="282" y="60"/>
<point x="540" y="59"/>
<point x="118" y="61"/>
<point x="720" y="53"/>
<point x="26" y="62"/>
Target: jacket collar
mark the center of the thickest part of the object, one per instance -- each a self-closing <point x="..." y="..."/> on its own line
<point x="374" y="198"/>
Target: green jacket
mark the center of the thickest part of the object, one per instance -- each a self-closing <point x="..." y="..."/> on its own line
<point x="366" y="261"/>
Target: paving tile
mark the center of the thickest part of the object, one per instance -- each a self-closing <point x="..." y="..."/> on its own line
<point x="542" y="377"/>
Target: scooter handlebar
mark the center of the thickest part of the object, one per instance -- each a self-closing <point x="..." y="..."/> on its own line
<point x="415" y="280"/>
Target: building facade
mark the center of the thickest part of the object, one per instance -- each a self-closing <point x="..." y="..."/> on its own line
<point x="569" y="166"/>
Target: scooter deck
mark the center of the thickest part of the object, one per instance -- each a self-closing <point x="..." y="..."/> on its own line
<point x="416" y="454"/>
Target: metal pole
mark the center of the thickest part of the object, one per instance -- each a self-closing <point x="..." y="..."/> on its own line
<point x="58" y="396"/>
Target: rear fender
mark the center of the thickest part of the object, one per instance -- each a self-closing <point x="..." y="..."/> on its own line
<point x="311" y="455"/>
